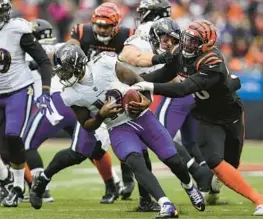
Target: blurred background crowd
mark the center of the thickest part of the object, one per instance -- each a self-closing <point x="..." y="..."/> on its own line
<point x="239" y="22"/>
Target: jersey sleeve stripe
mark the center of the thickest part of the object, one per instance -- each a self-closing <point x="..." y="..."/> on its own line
<point x="212" y="59"/>
<point x="203" y="59"/>
<point x="81" y="27"/>
<point x="215" y="62"/>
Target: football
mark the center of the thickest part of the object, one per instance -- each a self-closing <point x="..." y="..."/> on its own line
<point x="131" y="95"/>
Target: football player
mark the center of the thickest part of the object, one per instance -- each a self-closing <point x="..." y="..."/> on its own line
<point x="104" y="33"/>
<point x="16" y="91"/>
<point x="40" y="129"/>
<point x="138" y="53"/>
<point x="220" y="132"/>
<point x="91" y="89"/>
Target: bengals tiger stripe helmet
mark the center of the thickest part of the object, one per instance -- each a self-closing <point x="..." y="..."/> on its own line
<point x="197" y="38"/>
<point x="106" y="21"/>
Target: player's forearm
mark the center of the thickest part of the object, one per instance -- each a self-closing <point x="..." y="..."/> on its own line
<point x="35" y="50"/>
<point x="135" y="57"/>
<point x="161" y="75"/>
<point x="94" y="123"/>
<point x="175" y="89"/>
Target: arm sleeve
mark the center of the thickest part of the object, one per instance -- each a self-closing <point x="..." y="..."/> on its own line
<point x="31" y="46"/>
<point x="162" y="75"/>
<point x="197" y="82"/>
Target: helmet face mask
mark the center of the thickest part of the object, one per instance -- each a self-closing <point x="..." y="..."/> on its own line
<point x="164" y="35"/>
<point x="5" y="10"/>
<point x="70" y="64"/>
<point x="199" y="37"/>
<point x="42" y="31"/>
<point x="106" y="22"/>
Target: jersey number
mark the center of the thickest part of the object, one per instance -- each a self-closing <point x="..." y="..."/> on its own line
<point x="5" y="60"/>
<point x="115" y="94"/>
<point x="202" y="95"/>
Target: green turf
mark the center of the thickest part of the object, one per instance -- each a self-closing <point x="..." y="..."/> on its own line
<point x="77" y="195"/>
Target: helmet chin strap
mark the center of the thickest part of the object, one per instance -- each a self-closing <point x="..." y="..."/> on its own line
<point x="47" y="41"/>
<point x="188" y="54"/>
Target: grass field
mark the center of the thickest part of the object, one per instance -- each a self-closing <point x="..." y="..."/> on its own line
<point x="77" y="192"/>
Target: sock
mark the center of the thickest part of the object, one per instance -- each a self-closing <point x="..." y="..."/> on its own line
<point x="233" y="179"/>
<point x="19" y="178"/>
<point x="189" y="185"/>
<point x="127" y="175"/>
<point x="28" y="176"/>
<point x="3" y="171"/>
<point x="162" y="200"/>
<point x="104" y="165"/>
<point x="44" y="175"/>
<point x="116" y="178"/>
<point x="197" y="154"/>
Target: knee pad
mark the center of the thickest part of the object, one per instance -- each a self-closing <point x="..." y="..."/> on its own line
<point x="214" y="160"/>
<point x="76" y="157"/>
<point x="98" y="152"/>
<point x="16" y="149"/>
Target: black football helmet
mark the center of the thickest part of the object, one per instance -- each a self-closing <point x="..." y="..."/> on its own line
<point x="164" y="26"/>
<point x="152" y="10"/>
<point x="70" y="64"/>
<point x="43" y="31"/>
<point x="5" y="10"/>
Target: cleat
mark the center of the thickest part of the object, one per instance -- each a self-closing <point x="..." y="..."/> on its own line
<point x="127" y="190"/>
<point x="213" y="198"/>
<point x="216" y="184"/>
<point x="37" y="190"/>
<point x="110" y="196"/>
<point x="119" y="187"/>
<point x="168" y="210"/>
<point x="46" y="197"/>
<point x="13" y="198"/>
<point x="6" y="185"/>
<point x="258" y="211"/>
<point x="148" y="205"/>
<point x="196" y="198"/>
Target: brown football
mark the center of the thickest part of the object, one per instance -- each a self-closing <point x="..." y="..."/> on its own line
<point x="131" y="95"/>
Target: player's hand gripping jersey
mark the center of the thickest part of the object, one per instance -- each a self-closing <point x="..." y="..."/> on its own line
<point x="14" y="71"/>
<point x="100" y="81"/>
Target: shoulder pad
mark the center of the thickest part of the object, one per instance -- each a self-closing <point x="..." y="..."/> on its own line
<point x="20" y="25"/>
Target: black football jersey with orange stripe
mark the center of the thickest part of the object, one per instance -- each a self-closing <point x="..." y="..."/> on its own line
<point x="92" y="47"/>
<point x="208" y="79"/>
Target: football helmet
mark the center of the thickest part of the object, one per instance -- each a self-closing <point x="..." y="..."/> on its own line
<point x="106" y="21"/>
<point x="70" y="64"/>
<point x="43" y="31"/>
<point x="5" y="10"/>
<point x="164" y="26"/>
<point x="152" y="10"/>
<point x="197" y="38"/>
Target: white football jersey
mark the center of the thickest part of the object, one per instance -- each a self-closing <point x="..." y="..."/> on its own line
<point x="99" y="81"/>
<point x="141" y="42"/>
<point x="56" y="86"/>
<point x="14" y="71"/>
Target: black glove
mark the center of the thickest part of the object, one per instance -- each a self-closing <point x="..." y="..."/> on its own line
<point x="163" y="58"/>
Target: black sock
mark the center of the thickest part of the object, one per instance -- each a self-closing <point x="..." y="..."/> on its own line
<point x="145" y="177"/>
<point x="179" y="168"/>
<point x="63" y="159"/>
<point x="197" y="154"/>
<point x="127" y="175"/>
<point x="34" y="159"/>
<point x="142" y="191"/>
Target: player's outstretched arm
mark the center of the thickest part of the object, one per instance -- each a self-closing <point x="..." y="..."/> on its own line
<point x="31" y="46"/>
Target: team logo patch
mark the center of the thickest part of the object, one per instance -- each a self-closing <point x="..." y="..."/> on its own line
<point x="30" y="91"/>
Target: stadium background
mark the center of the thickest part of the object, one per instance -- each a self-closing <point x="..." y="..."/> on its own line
<point x="240" y="36"/>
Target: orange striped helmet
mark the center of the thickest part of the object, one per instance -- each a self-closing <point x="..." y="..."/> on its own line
<point x="198" y="37"/>
<point x="106" y="21"/>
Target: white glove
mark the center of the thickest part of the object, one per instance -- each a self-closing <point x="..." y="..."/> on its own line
<point x="142" y="86"/>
